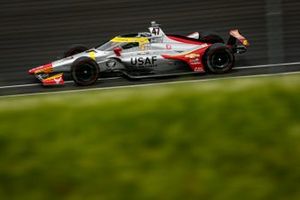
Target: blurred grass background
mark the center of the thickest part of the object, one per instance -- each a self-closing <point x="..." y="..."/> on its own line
<point x="228" y="139"/>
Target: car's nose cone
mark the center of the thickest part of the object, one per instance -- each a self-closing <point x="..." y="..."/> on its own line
<point x="48" y="68"/>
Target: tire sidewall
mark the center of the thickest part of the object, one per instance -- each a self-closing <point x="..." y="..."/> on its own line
<point x="79" y="62"/>
<point x="217" y="48"/>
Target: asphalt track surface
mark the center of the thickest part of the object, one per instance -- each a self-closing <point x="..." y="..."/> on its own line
<point x="36" y="32"/>
<point x="32" y="87"/>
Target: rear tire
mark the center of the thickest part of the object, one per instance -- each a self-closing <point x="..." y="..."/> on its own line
<point x="75" y="49"/>
<point x="84" y="71"/>
<point x="219" y="59"/>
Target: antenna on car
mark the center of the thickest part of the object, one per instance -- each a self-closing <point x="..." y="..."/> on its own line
<point x="157" y="35"/>
<point x="154" y="24"/>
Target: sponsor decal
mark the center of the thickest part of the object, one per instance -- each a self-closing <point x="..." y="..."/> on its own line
<point x="144" y="61"/>
<point x="142" y="47"/>
<point x="57" y="80"/>
<point x="111" y="64"/>
<point x="54" y="80"/>
<point x="143" y="53"/>
<point x="192" y="55"/>
<point x="195" y="61"/>
<point x="198" y="69"/>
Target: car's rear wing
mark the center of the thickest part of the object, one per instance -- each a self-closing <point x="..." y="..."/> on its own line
<point x="235" y="36"/>
<point x="238" y="41"/>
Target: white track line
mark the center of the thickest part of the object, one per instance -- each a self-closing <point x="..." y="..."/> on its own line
<point x="236" y="68"/>
<point x="35" y="84"/>
<point x="151" y="84"/>
<point x="268" y="65"/>
<point x="18" y="86"/>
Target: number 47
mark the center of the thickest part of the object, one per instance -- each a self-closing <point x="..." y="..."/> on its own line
<point x="155" y="31"/>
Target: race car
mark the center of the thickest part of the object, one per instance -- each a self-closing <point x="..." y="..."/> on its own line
<point x="144" y="55"/>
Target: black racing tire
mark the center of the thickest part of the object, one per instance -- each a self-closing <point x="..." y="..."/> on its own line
<point x="75" y="49"/>
<point x="210" y="37"/>
<point x="218" y="59"/>
<point x="84" y="71"/>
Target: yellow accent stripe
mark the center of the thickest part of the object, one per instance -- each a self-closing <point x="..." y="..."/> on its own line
<point x="45" y="70"/>
<point x="141" y="40"/>
<point x="92" y="55"/>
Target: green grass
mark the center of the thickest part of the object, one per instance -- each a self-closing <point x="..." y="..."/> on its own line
<point x="230" y="139"/>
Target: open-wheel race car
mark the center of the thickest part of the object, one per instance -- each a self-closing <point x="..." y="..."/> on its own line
<point x="145" y="54"/>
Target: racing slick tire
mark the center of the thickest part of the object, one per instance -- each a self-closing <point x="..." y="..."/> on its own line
<point x="209" y="37"/>
<point x="75" y="49"/>
<point x="218" y="59"/>
<point x="84" y="71"/>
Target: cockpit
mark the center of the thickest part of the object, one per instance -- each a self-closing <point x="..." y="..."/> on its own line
<point x="124" y="42"/>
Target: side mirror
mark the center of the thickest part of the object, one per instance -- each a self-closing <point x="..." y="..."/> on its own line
<point x="118" y="51"/>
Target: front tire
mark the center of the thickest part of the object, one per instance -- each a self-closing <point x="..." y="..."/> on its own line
<point x="85" y="71"/>
<point x="219" y="59"/>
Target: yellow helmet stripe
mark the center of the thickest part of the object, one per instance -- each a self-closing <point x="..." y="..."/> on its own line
<point x="141" y="40"/>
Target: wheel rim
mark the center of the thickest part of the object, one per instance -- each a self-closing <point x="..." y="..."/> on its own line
<point x="220" y="59"/>
<point x="85" y="72"/>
